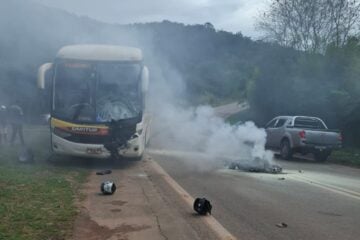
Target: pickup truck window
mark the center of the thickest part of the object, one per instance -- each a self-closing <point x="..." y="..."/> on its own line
<point x="309" y="123"/>
<point x="280" y="123"/>
<point x="271" y="124"/>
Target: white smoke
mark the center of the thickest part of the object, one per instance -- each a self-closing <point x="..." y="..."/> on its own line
<point x="176" y="126"/>
<point x="197" y="134"/>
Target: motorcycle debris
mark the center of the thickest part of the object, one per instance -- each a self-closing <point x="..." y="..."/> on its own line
<point x="108" y="188"/>
<point x="103" y="172"/>
<point x="281" y="225"/>
<point x="202" y="206"/>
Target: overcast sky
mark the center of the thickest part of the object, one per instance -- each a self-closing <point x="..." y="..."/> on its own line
<point x="229" y="15"/>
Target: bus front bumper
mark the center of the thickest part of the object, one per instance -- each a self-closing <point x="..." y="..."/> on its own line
<point x="62" y="146"/>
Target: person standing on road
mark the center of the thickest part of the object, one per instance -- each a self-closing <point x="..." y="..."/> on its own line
<point x="3" y="124"/>
<point x="16" y="117"/>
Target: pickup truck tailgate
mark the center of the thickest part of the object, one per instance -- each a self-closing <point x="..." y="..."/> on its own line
<point x="322" y="138"/>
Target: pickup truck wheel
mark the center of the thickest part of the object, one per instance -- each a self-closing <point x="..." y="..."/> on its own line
<point x="322" y="156"/>
<point x="285" y="150"/>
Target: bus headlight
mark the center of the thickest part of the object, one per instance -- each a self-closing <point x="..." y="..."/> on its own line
<point x="137" y="134"/>
<point x="61" y="133"/>
<point x="134" y="136"/>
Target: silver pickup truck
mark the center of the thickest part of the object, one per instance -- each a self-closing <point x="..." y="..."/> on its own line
<point x="301" y="134"/>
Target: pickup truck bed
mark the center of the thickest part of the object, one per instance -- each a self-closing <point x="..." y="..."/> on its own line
<point x="302" y="134"/>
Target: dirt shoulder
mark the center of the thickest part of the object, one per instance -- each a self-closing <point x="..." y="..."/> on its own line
<point x="143" y="207"/>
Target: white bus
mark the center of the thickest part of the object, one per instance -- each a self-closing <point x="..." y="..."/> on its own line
<point x="98" y="101"/>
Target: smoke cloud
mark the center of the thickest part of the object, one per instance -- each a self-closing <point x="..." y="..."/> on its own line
<point x="196" y="133"/>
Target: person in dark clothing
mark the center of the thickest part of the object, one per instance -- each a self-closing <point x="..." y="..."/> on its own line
<point x="3" y="124"/>
<point x="16" y="117"/>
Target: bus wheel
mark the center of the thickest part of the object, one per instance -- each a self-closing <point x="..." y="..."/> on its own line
<point x="137" y="158"/>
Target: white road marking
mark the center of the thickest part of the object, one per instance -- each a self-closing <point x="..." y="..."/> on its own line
<point x="299" y="178"/>
<point x="329" y="187"/>
<point x="220" y="231"/>
<point x="177" y="153"/>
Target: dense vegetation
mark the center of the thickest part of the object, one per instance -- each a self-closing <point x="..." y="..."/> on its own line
<point x="217" y="66"/>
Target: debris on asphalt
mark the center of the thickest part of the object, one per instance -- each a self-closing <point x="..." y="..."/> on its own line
<point x="202" y="206"/>
<point x="282" y="178"/>
<point x="256" y="165"/>
<point x="25" y="155"/>
<point x="103" y="172"/>
<point x="273" y="169"/>
<point x="108" y="188"/>
<point x="281" y="225"/>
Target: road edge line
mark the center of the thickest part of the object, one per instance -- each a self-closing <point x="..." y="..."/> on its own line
<point x="335" y="189"/>
<point x="220" y="230"/>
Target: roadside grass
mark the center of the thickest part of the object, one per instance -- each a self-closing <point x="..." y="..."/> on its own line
<point x="346" y="156"/>
<point x="37" y="200"/>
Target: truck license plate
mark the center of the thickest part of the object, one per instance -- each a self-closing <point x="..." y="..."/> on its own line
<point x="94" y="151"/>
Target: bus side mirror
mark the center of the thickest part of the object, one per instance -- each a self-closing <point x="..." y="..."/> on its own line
<point x="44" y="85"/>
<point x="42" y="73"/>
<point x="144" y="80"/>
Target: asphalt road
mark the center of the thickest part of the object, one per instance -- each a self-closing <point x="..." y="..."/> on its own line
<point x="316" y="201"/>
<point x="227" y="110"/>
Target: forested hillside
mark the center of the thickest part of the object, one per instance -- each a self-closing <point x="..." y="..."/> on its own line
<point x="216" y="66"/>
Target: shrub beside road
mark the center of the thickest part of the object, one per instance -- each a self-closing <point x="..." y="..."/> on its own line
<point x="346" y="156"/>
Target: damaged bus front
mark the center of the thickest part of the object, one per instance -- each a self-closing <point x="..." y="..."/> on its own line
<point x="98" y="101"/>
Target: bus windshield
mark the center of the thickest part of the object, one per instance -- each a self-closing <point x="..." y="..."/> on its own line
<point x="97" y="92"/>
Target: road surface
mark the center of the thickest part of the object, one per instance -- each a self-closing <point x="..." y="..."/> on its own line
<point x="227" y="110"/>
<point x="147" y="205"/>
<point x="316" y="201"/>
<point x="154" y="200"/>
